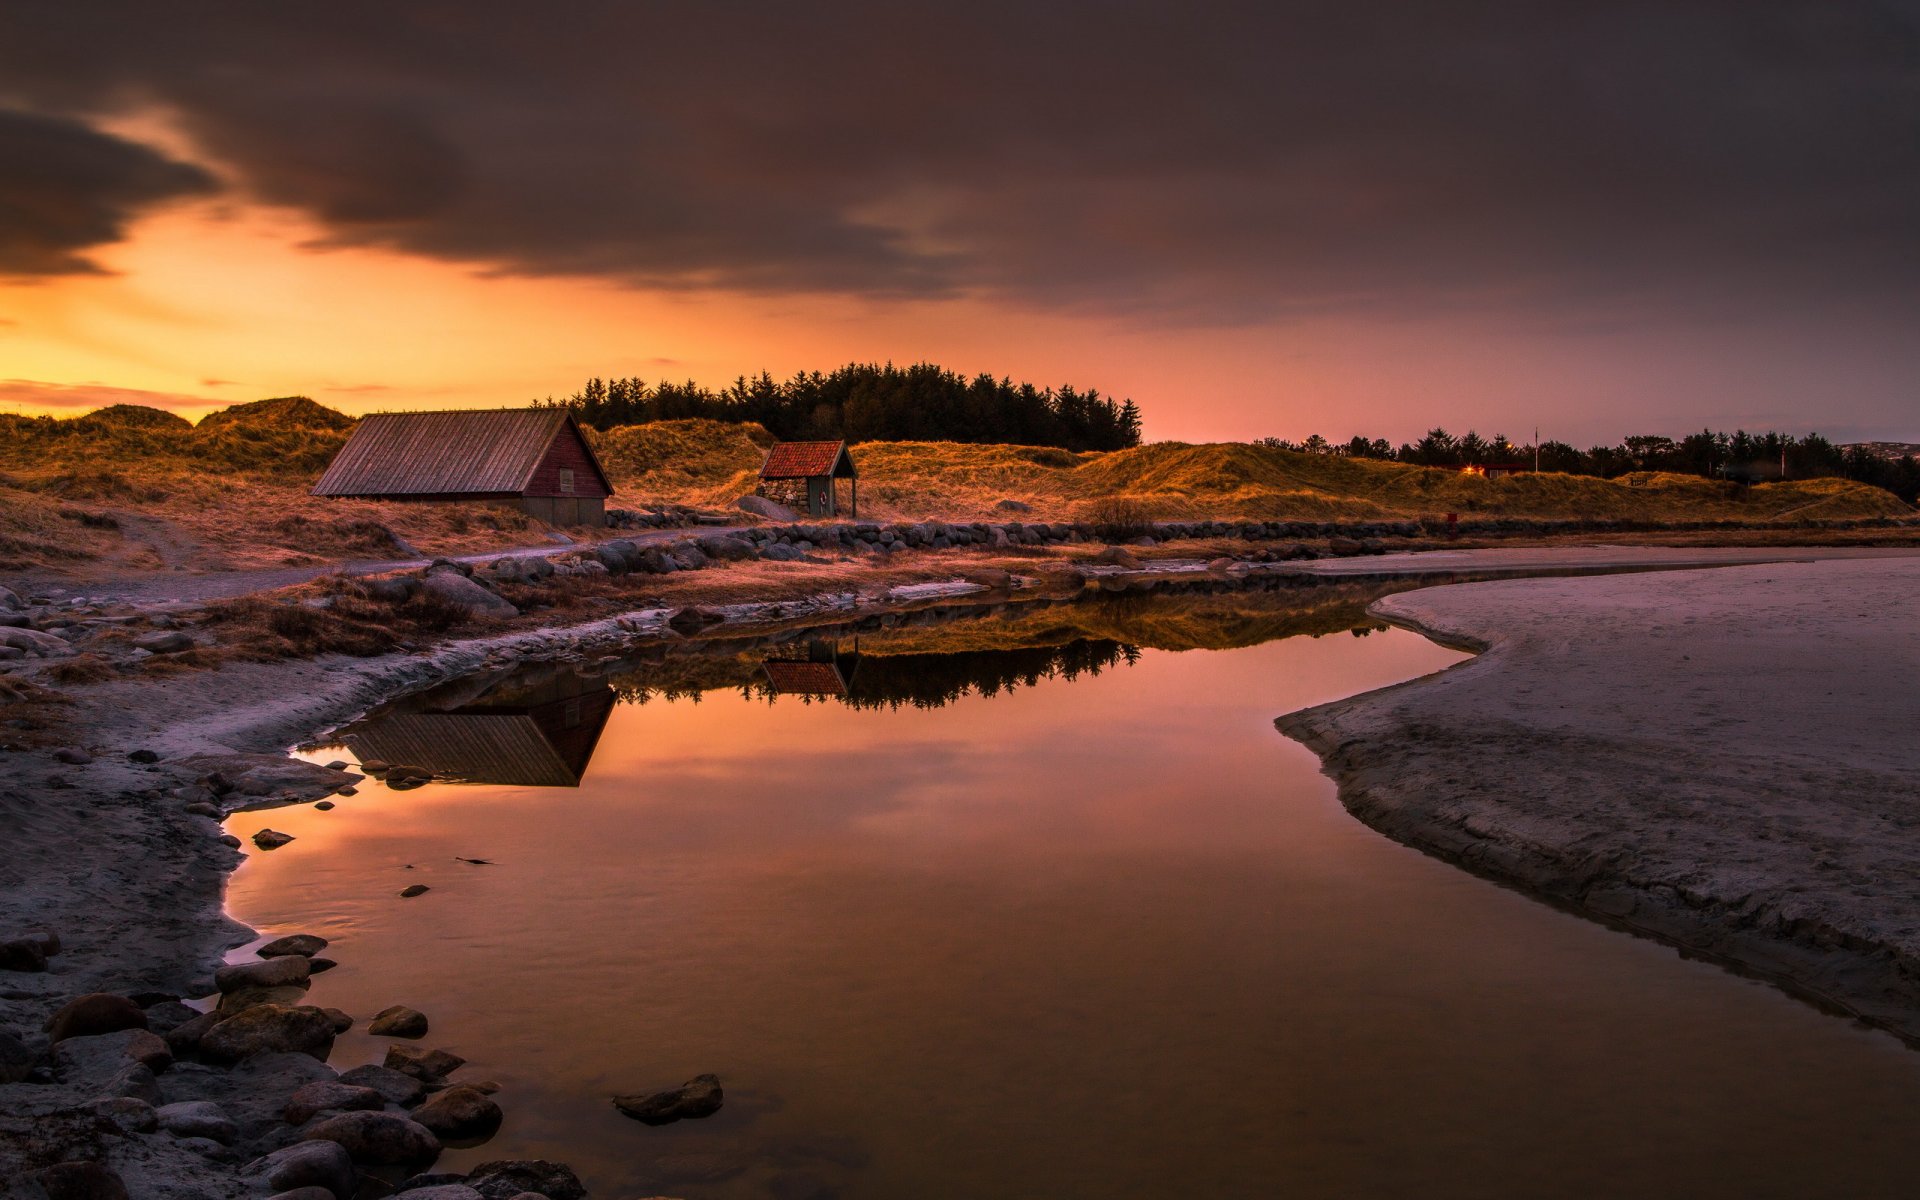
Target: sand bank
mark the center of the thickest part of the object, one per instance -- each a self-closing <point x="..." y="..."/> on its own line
<point x="1724" y="759"/>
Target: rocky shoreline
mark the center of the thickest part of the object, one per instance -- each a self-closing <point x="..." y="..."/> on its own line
<point x="120" y="871"/>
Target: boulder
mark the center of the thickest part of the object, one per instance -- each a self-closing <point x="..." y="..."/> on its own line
<point x="78" y="1181"/>
<point x="395" y="1087"/>
<point x="461" y="1114"/>
<point x="687" y="555"/>
<point x="780" y="553"/>
<point x="1343" y="547"/>
<point x="285" y="971"/>
<point x="9" y="602"/>
<point x="22" y="954"/>
<point x="271" y="839"/>
<point x="428" y="1066"/>
<point x="1013" y="506"/>
<point x="341" y="1020"/>
<point x="16" y="1060"/>
<point x="289" y="996"/>
<point x="198" y="1118"/>
<point x="102" y="1056"/>
<point x="507" y="1178"/>
<point x="399" y="1021"/>
<point x="164" y="641"/>
<point x="94" y="1013"/>
<point x="1118" y="556"/>
<point x="456" y="589"/>
<point x="184" y="1039"/>
<point x="34" y="641"/>
<point x="306" y="945"/>
<point x="772" y="510"/>
<point x="440" y="1191"/>
<point x="333" y="1095"/>
<point x="321" y="1164"/>
<point x="269" y="1029"/>
<point x="73" y="756"/>
<point x="414" y="889"/>
<point x="725" y="546"/>
<point x="378" y="1138"/>
<point x="143" y="756"/>
<point x="698" y="1097"/>
<point x="168" y="1015"/>
<point x="691" y="620"/>
<point x="305" y="1193"/>
<point x="128" y="1114"/>
<point x="136" y="1080"/>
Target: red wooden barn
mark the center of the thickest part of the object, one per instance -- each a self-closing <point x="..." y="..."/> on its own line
<point x="533" y="458"/>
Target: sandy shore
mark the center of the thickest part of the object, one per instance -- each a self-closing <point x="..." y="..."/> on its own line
<point x="1723" y="759"/>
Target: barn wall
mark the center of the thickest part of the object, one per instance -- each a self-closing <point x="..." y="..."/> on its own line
<point x="569" y="452"/>
<point x="561" y="510"/>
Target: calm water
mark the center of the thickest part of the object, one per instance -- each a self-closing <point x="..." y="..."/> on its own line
<point x="1102" y="936"/>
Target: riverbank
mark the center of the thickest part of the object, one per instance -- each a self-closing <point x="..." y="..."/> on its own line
<point x="106" y="855"/>
<point x="1721" y="759"/>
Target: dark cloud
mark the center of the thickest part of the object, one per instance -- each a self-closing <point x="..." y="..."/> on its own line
<point x="1207" y="162"/>
<point x="66" y="188"/>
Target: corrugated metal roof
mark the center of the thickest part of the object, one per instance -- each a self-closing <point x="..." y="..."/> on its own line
<point x="803" y="460"/>
<point x="805" y="678"/>
<point x="475" y="452"/>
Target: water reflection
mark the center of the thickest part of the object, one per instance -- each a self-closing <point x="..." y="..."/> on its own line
<point x="522" y="733"/>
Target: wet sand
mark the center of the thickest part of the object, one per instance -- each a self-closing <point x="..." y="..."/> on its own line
<point x="1724" y="759"/>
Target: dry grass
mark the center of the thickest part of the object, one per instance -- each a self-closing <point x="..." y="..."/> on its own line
<point x="133" y="489"/>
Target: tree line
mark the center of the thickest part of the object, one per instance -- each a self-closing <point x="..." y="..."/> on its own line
<point x="868" y="402"/>
<point x="1740" y="456"/>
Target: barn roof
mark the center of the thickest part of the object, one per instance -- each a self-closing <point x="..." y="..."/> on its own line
<point x="477" y="452"/>
<point x="529" y="747"/>
<point x="804" y="460"/>
<point x="804" y="678"/>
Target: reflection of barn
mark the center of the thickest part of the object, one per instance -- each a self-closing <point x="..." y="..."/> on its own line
<point x="821" y="670"/>
<point x="801" y="475"/>
<point x="533" y="458"/>
<point x="541" y="738"/>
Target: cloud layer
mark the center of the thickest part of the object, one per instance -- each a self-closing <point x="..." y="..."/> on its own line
<point x="1212" y="163"/>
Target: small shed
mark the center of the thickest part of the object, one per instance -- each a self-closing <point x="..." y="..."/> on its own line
<point x="801" y="475"/>
<point x="535" y="459"/>
<point x="818" y="670"/>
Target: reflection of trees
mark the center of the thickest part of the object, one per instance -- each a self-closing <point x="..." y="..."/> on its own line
<point x="935" y="680"/>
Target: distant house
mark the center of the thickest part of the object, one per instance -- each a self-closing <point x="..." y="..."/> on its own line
<point x="818" y="670"/>
<point x="1497" y="470"/>
<point x="801" y="475"/>
<point x="532" y="458"/>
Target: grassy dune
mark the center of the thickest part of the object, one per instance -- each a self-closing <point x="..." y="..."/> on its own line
<point x="142" y="488"/>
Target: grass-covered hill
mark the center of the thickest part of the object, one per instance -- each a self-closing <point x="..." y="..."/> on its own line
<point x="234" y="486"/>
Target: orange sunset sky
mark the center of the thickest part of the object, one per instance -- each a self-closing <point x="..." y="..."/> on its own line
<point x="1270" y="221"/>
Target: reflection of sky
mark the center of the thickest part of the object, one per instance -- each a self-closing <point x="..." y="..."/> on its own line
<point x="1115" y="930"/>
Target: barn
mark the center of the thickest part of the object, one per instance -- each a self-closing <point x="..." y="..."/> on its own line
<point x="535" y="459"/>
<point x="801" y="475"/>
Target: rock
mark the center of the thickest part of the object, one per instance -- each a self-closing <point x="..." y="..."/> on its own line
<point x="396" y="1087"/>
<point x="201" y="808"/>
<point x="991" y="577"/>
<point x="22" y="954"/>
<point x="507" y="1178"/>
<point x="289" y="970"/>
<point x="456" y="589"/>
<point x="305" y="1193"/>
<point x="318" y="1164"/>
<point x="1344" y="546"/>
<point x="724" y="546"/>
<point x="341" y="1021"/>
<point x="198" y="1118"/>
<point x="94" y="1013"/>
<point x="142" y="756"/>
<point x="16" y="1061"/>
<point x="184" y="1039"/>
<point x="136" y="1080"/>
<point x="429" y="1066"/>
<point x="125" y="1113"/>
<point x="779" y="553"/>
<point x="306" y="945"/>
<point x="687" y="555"/>
<point x="34" y="641"/>
<point x="414" y="889"/>
<point x="1220" y="566"/>
<point x="443" y="1191"/>
<point x="78" y="1181"/>
<point x="693" y="619"/>
<point x="229" y="841"/>
<point x="327" y="805"/>
<point x="1013" y="506"/>
<point x="271" y="839"/>
<point x="333" y="1095"/>
<point x="289" y="996"/>
<point x="378" y="1138"/>
<point x="9" y="602"/>
<point x="760" y="506"/>
<point x="168" y="1015"/>
<point x="698" y="1097"/>
<point x="399" y="1021"/>
<point x="1118" y="556"/>
<point x="460" y="1114"/>
<point x="165" y="641"/>
<point x="105" y="1055"/>
<point x="73" y="756"/>
<point x="268" y="1029"/>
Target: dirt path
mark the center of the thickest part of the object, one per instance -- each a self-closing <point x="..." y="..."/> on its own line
<point x="179" y="585"/>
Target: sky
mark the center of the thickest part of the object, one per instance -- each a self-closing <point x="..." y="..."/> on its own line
<point x="1255" y="220"/>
